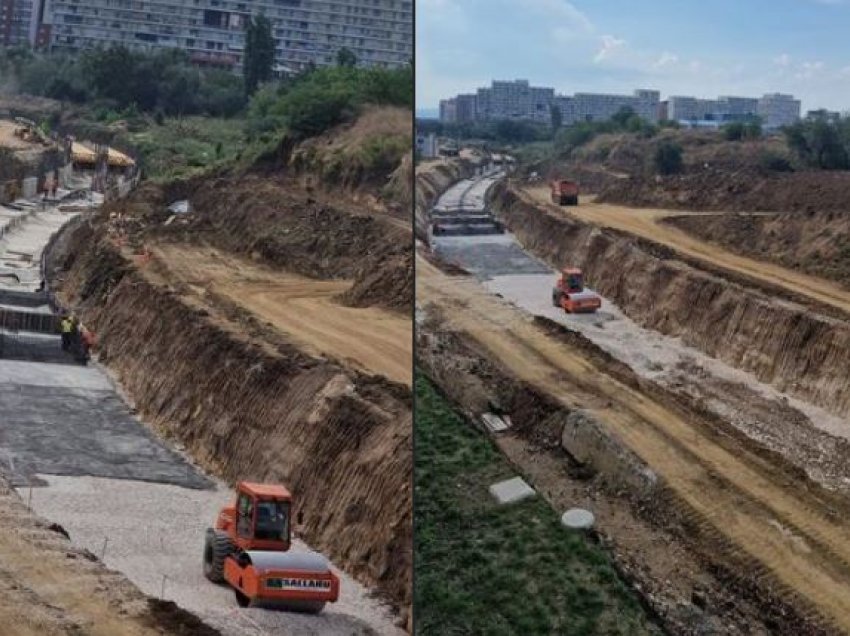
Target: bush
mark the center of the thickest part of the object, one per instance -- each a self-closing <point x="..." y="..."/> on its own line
<point x="322" y="98"/>
<point x="775" y="162"/>
<point x="668" y="158"/>
<point x="740" y="131"/>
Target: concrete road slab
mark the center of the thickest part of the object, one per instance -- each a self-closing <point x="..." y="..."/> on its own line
<point x="511" y="490"/>
<point x="489" y="256"/>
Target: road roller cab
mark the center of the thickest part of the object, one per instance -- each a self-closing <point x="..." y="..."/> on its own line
<point x="249" y="550"/>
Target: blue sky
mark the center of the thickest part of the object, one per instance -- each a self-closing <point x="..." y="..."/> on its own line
<point x="720" y="47"/>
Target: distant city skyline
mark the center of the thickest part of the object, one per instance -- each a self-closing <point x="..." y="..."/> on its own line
<point x="611" y="46"/>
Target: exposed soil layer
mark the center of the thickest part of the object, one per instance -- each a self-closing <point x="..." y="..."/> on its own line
<point x="815" y="241"/>
<point x="250" y="405"/>
<point x="797" y="350"/>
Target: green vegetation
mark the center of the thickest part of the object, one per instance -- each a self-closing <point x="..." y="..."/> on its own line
<point x="316" y="101"/>
<point x="258" y="62"/>
<point x="187" y="146"/>
<point x="820" y="143"/>
<point x="668" y="158"/>
<point x="117" y="79"/>
<point x="742" y="131"/>
<point x="485" y="569"/>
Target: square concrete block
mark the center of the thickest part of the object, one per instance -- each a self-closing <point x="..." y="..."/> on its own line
<point x="495" y="423"/>
<point x="511" y="490"/>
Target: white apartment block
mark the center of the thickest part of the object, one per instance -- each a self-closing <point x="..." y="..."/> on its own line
<point x="601" y="106"/>
<point x="777" y="110"/>
<point x="378" y="32"/>
<point x="515" y="100"/>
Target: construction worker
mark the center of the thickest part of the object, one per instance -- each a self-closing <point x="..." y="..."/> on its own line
<point x="87" y="342"/>
<point x="66" y="326"/>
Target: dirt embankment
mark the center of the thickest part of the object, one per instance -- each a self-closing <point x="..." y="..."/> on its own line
<point x="432" y="179"/>
<point x="815" y="242"/>
<point x="789" y="346"/>
<point x="244" y="409"/>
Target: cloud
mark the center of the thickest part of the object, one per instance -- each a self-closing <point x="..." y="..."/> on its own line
<point x="610" y="46"/>
<point x="666" y="59"/>
<point x="809" y="70"/>
<point x="783" y="60"/>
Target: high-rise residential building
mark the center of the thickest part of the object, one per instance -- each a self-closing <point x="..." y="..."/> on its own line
<point x="774" y="110"/>
<point x="448" y="110"/>
<point x="466" y="105"/>
<point x="18" y="21"/>
<point x="602" y="106"/>
<point x="378" y="32"/>
<point x="516" y="100"/>
<point x="777" y="110"/>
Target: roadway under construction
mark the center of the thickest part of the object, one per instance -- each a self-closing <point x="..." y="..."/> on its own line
<point x="717" y="477"/>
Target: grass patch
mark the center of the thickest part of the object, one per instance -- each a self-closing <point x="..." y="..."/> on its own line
<point x="188" y="145"/>
<point x="485" y="569"/>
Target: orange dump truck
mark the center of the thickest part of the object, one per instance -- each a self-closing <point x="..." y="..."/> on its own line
<point x="564" y="192"/>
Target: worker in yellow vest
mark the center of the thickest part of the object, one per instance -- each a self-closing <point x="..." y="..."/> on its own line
<point x="66" y="326"/>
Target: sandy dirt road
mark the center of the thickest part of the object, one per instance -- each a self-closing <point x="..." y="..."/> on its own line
<point x="646" y="223"/>
<point x="770" y="519"/>
<point x="371" y="339"/>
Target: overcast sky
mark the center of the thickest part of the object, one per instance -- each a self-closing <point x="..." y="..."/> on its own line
<point x="680" y="47"/>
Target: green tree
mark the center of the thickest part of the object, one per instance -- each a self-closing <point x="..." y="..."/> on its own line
<point x="668" y="158"/>
<point x="346" y="57"/>
<point x="258" y="60"/>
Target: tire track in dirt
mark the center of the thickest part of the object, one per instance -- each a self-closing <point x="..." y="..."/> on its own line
<point x="786" y="526"/>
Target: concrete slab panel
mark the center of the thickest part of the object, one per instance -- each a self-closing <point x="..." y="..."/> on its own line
<point x="511" y="490"/>
<point x="495" y="423"/>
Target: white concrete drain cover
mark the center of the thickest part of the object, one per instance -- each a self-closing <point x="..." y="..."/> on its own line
<point x="495" y="423"/>
<point x="511" y="490"/>
<point x="578" y="519"/>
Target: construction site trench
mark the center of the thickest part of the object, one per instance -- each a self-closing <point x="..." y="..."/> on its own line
<point x="129" y="495"/>
<point x="695" y="435"/>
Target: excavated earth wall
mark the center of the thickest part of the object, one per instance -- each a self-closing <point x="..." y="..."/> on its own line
<point x="340" y="440"/>
<point x="797" y="350"/>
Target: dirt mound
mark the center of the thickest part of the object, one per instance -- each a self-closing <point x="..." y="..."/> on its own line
<point x="816" y="242"/>
<point x="247" y="411"/>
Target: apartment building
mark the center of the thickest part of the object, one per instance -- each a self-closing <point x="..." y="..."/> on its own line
<point x="18" y="19"/>
<point x="774" y="110"/>
<point x="516" y="100"/>
<point x="777" y="110"/>
<point x="602" y="106"/>
<point x="379" y="32"/>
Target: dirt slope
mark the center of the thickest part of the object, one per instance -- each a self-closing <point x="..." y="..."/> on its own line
<point x="813" y="242"/>
<point x="785" y="526"/>
<point x="651" y="224"/>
